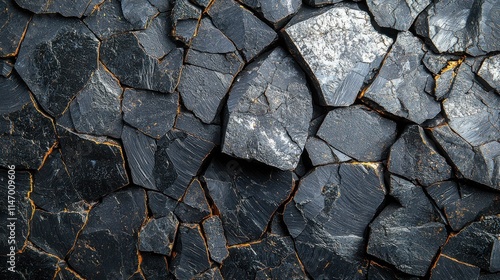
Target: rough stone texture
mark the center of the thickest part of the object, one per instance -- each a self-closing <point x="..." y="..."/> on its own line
<point x="358" y="132"/>
<point x="448" y="268"/>
<point x="138" y="12"/>
<point x="153" y="113"/>
<point x="277" y="12"/>
<point x="216" y="241"/>
<point x="399" y="87"/>
<point x="461" y="26"/>
<point x="185" y="17"/>
<point x="158" y="235"/>
<point x="319" y="3"/>
<point x="396" y="14"/>
<point x="268" y="112"/>
<point x="238" y="24"/>
<point x="112" y="226"/>
<point x="67" y="8"/>
<point x="246" y="196"/>
<point x="57" y="58"/>
<point x="379" y="272"/>
<point x="477" y="244"/>
<point x="320" y="153"/>
<point x="329" y="214"/>
<point x="33" y="264"/>
<point x="154" y="266"/>
<point x="13" y="23"/>
<point x="160" y="205"/>
<point x="339" y="48"/>
<point x="490" y="71"/>
<point x="414" y="157"/>
<point x="194" y="206"/>
<point x="436" y="62"/>
<point x="191" y="125"/>
<point x="6" y="67"/>
<point x="107" y="20"/>
<point x="409" y="233"/>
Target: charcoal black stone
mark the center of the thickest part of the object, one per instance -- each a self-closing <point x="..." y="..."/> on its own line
<point x="319" y="152"/>
<point x="358" y="132"/>
<point x="443" y="84"/>
<point x="160" y="205"/>
<point x="339" y="48"/>
<point x="408" y="233"/>
<point x="13" y="23"/>
<point x="155" y="267"/>
<point x="274" y="11"/>
<point x="153" y="113"/>
<point x="153" y="38"/>
<point x="216" y="241"/>
<point x="379" y="272"/>
<point x="66" y="8"/>
<point x="448" y="268"/>
<point x="6" y="67"/>
<point x="328" y="217"/>
<point x="396" y="14"/>
<point x="490" y="72"/>
<point x="107" y="19"/>
<point x="140" y="150"/>
<point x="239" y="25"/>
<point x="477" y="244"/>
<point x="399" y="87"/>
<point x="13" y="93"/>
<point x="211" y="274"/>
<point x="112" y="227"/>
<point x="414" y="157"/>
<point x="56" y="60"/>
<point x="33" y="264"/>
<point x="194" y="206"/>
<point x="158" y="235"/>
<point x="246" y="196"/>
<point x="268" y="112"/>
<point x="138" y="13"/>
<point x="192" y="254"/>
<point x="188" y="123"/>
<point x="185" y="17"/>
<point x="436" y="62"/>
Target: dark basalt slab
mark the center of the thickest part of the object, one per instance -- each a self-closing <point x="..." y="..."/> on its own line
<point x="160" y="205"/>
<point x="448" y="268"/>
<point x="379" y="272"/>
<point x="158" y="235"/>
<point x="339" y="48"/>
<point x="414" y="157"/>
<point x="461" y="26"/>
<point x="32" y="264"/>
<point x="436" y="62"/>
<point x="192" y="253"/>
<point x="358" y="132"/>
<point x="275" y="11"/>
<point x="396" y="14"/>
<point x="13" y="23"/>
<point x="145" y="71"/>
<point x="188" y="123"/>
<point x="216" y="241"/>
<point x="57" y="58"/>
<point x="246" y="196"/>
<point x="107" y="19"/>
<point x="96" y="109"/>
<point x="273" y="257"/>
<point x="211" y="274"/>
<point x="154" y="40"/>
<point x="55" y="233"/>
<point x="400" y="85"/>
<point x="477" y="244"/>
<point x="490" y="73"/>
<point x="111" y="227"/>
<point x="320" y="153"/>
<point x="6" y="67"/>
<point x="319" y="3"/>
<point x="155" y="267"/>
<point x="95" y="165"/>
<point x="185" y="18"/>
<point x="328" y="217"/>
<point x="268" y="112"/>
<point x="239" y="25"/>
<point x="13" y="93"/>
<point x="138" y="13"/>
<point x="65" y="273"/>
<point x="408" y="233"/>
<point x="194" y="206"/>
<point x="66" y="8"/>
<point x="463" y="204"/>
<point x="151" y="112"/>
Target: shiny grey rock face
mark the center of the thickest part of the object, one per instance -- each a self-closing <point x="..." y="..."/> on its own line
<point x="490" y="71"/>
<point x="396" y="14"/>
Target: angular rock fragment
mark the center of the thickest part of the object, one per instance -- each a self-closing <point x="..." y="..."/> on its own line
<point x="194" y="206"/>
<point x="56" y="60"/>
<point x="191" y="125"/>
<point x="107" y="19"/>
<point x="399" y="87"/>
<point x="112" y="227"/>
<point x="55" y="233"/>
<point x="138" y="13"/>
<point x="454" y="26"/>
<point x="153" y="113"/>
<point x="13" y="93"/>
<point x="489" y="71"/>
<point x="192" y="254"/>
<point x="268" y="112"/>
<point x="325" y="40"/>
<point x="462" y="204"/>
<point x="396" y="14"/>
<point x="65" y="273"/>
<point x="211" y="274"/>
<point x="154" y="266"/>
<point x="22" y="211"/>
<point x="185" y="17"/>
<point x="473" y="113"/>
<point x="32" y="264"/>
<point x="13" y="23"/>
<point x="246" y="196"/>
<point x="436" y="62"/>
<point x="477" y="244"/>
<point x="328" y="217"/>
<point x="66" y="8"/>
<point x="6" y="67"/>
<point x="153" y="38"/>
<point x="443" y="83"/>
<point x="319" y="152"/>
<point x="414" y="157"/>
<point x="95" y="165"/>
<point x="275" y="11"/>
<point x="476" y="163"/>
<point x="216" y="242"/>
<point x="158" y="235"/>
<point x="145" y="71"/>
<point x="273" y="257"/>
<point x="379" y="272"/>
<point x="96" y="109"/>
<point x="239" y="25"/>
<point x="448" y="268"/>
<point x="358" y="132"/>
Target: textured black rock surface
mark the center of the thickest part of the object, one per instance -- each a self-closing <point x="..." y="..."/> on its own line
<point x="250" y="139"/>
